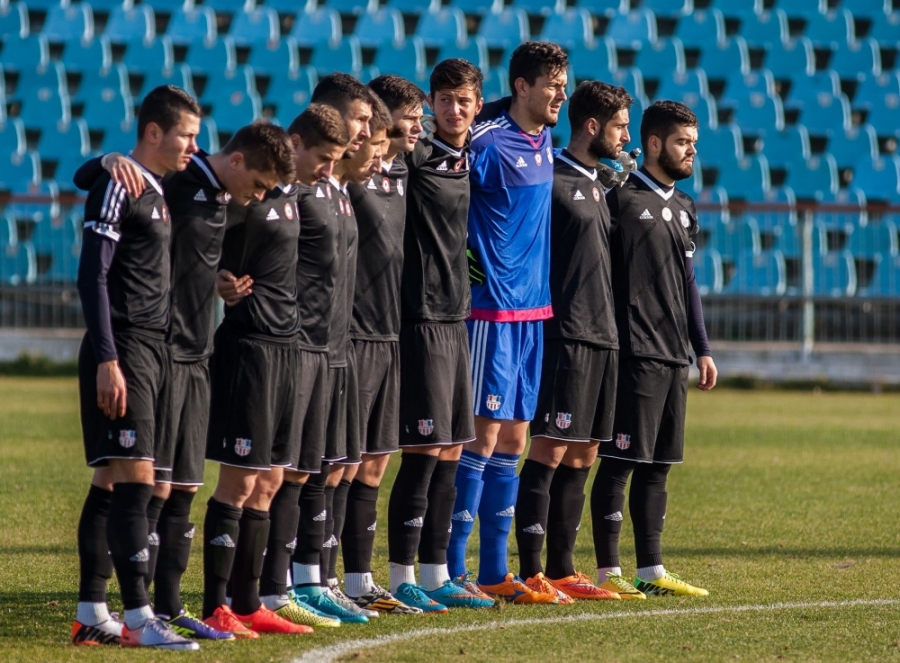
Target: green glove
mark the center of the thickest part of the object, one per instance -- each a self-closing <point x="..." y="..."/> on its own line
<point x="476" y="273"/>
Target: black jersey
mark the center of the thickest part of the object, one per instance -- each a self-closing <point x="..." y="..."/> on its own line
<point x="124" y="274"/>
<point x="653" y="227"/>
<point x="261" y="242"/>
<point x="435" y="281"/>
<point x="380" y="207"/>
<point x="580" y="286"/>
<point x="344" y="276"/>
<point x="316" y="263"/>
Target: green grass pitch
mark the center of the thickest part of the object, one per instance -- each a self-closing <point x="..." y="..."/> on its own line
<point x="786" y="510"/>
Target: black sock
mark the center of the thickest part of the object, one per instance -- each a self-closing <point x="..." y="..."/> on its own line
<point x="532" y="508"/>
<point x="607" y="503"/>
<point x="407" y="507"/>
<point x="126" y="532"/>
<point x="248" y="561"/>
<point x="284" y="515"/>
<point x="96" y="567"/>
<point x="358" y="540"/>
<point x="328" y="540"/>
<point x="311" y="526"/>
<point x="564" y="518"/>
<point x="647" y="505"/>
<point x="176" y="534"/>
<point x="441" y="498"/>
<point x="220" y="535"/>
<point x="340" y="515"/>
<point x="153" y="510"/>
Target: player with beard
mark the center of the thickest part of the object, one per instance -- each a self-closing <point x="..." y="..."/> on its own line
<point x="577" y="395"/>
<point x="659" y="319"/>
<point x="509" y="244"/>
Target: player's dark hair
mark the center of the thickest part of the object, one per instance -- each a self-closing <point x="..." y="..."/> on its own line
<point x="163" y="106"/>
<point x="396" y="92"/>
<point x="320" y="124"/>
<point x="594" y="99"/>
<point x="533" y="59"/>
<point x="453" y="73"/>
<point x="339" y="90"/>
<point x="662" y="118"/>
<point x="381" y="116"/>
<point x="266" y="148"/>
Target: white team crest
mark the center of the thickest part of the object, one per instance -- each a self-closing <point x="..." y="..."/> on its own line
<point x="386" y="185"/>
<point x="623" y="441"/>
<point x="242" y="446"/>
<point x="200" y="197"/>
<point x="685" y="219"/>
<point x="493" y="402"/>
<point x="666" y="214"/>
<point x="442" y="168"/>
<point x="288" y="211"/>
<point x="458" y="166"/>
<point x="538" y="159"/>
<point x="521" y="163"/>
<point x="272" y="215"/>
<point x="578" y="196"/>
<point x="400" y="187"/>
<point x="127" y="438"/>
<point x="371" y="184"/>
<point x="426" y="426"/>
<point x="550" y="155"/>
<point x="563" y="419"/>
<point x="596" y="193"/>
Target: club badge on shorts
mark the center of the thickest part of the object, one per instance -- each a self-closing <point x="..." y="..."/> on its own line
<point x="623" y="441"/>
<point x="494" y="401"/>
<point x="426" y="426"/>
<point x="242" y="446"/>
<point x="563" y="420"/>
<point x="127" y="438"/>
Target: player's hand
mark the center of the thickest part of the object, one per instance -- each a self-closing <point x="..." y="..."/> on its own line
<point x="112" y="394"/>
<point x="708" y="373"/>
<point x="231" y="288"/>
<point x="124" y="171"/>
<point x="429" y="126"/>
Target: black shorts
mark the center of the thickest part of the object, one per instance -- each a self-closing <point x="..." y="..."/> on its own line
<point x="253" y="419"/>
<point x="577" y="398"/>
<point x="435" y="384"/>
<point x="342" y="436"/>
<point x="651" y="402"/>
<point x="179" y="459"/>
<point x="144" y="359"/>
<point x="313" y="403"/>
<point x="378" y="376"/>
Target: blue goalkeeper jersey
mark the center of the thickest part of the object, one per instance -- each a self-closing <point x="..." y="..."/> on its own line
<point x="511" y="183"/>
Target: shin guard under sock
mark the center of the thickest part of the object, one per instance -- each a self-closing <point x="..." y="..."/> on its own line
<point x="340" y="515"/>
<point x="607" y="505"/>
<point x="176" y="534"/>
<point x="358" y="540"/>
<point x="126" y="532"/>
<point x="284" y="516"/>
<point x="220" y="536"/>
<point x="311" y="527"/>
<point x="153" y="510"/>
<point x="248" y="561"/>
<point x="647" y="505"/>
<point x="329" y="541"/>
<point x="469" y="486"/>
<point x="566" y="506"/>
<point x="495" y="517"/>
<point x="441" y="498"/>
<point x="407" y="507"/>
<point x="532" y="509"/>
<point x="95" y="564"/>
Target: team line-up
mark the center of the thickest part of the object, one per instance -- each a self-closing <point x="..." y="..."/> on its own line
<point x="434" y="285"/>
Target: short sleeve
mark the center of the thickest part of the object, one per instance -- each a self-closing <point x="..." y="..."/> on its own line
<point x="106" y="206"/>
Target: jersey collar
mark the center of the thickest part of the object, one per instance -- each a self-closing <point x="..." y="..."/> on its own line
<point x="337" y="185"/>
<point x="147" y="175"/>
<point x="441" y="144"/>
<point x="285" y="188"/>
<point x="207" y="170"/>
<point x="592" y="174"/>
<point x="665" y="195"/>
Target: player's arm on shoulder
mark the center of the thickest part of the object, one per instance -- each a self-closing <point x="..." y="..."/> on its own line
<point x="125" y="171"/>
<point x="485" y="166"/>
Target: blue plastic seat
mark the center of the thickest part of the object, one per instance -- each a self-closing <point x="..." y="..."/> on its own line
<point x="787" y="147"/>
<point x="701" y="28"/>
<point x="853" y="212"/>
<point x="722" y="146"/>
<point x="883" y="114"/>
<point x="233" y="111"/>
<point x="8" y="233"/>
<point x="119" y="135"/>
<point x="230" y="6"/>
<point x="758" y="274"/>
<point x="886" y="278"/>
<point x="169" y="6"/>
<point x="661" y="59"/>
<point x="803" y="8"/>
<point x="847" y="147"/>
<point x="65" y="139"/>
<point x="111" y="105"/>
<point x="476" y="7"/>
<point x="290" y="93"/>
<point x="448" y="24"/>
<point x="179" y="75"/>
<point x="206" y="57"/>
<point x="12" y="136"/>
<point x="343" y="56"/>
<point x="540" y="7"/>
<point x="708" y="271"/>
<point x="669" y="8"/>
<point x="886" y="30"/>
<point x="874" y="238"/>
<point x="142" y="56"/>
<point x="806" y="89"/>
<point x="740" y="235"/>
<point x="827" y="115"/>
<point x="191" y="26"/>
<point x="760" y="115"/>
<point x="44" y="204"/>
<point x="82" y="55"/>
<point x="280" y="56"/>
<point x="44" y="106"/>
<point x="778" y="228"/>
<point x="414" y="7"/>
<point x="13" y="20"/>
<point x="40" y="79"/>
<point x="208" y="138"/>
<point x="832" y="30"/>
<point x="315" y="27"/>
<point x="739" y="87"/>
<point x="763" y="29"/>
<point x="748" y="179"/>
<point x="569" y="28"/>
<point x="875" y="88"/>
<point x="474" y="50"/>
<point x="496" y="85"/>
<point x="255" y="28"/>
<point x="66" y="167"/>
<point x="834" y="274"/>
<point x="351" y="7"/>
<point x="595" y="61"/>
<point x="631" y="79"/>
<point x="128" y="23"/>
<point x="872" y="9"/>
<point x="879" y="178"/>
<point x="508" y="27"/>
<point x="856" y="60"/>
<point x="633" y="29"/>
<point x="689" y="84"/>
<point x="18" y="265"/>
<point x="722" y="60"/>
<point x="406" y="59"/>
<point x="814" y="178"/>
<point x="25" y="53"/>
<point x="70" y="21"/>
<point x="379" y="27"/>
<point x="94" y="82"/>
<point x="788" y="59"/>
<point x="56" y="249"/>
<point x="223" y="83"/>
<point x="607" y="8"/>
<point x="19" y="172"/>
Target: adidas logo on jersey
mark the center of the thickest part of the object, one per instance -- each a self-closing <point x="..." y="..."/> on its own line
<point x="155" y="214"/>
<point x="371" y="184"/>
<point x="415" y="522"/>
<point x="272" y="215"/>
<point x="153" y="540"/>
<point x="534" y="529"/>
<point x="223" y="540"/>
<point x="292" y="545"/>
<point x="521" y="163"/>
<point x="615" y="517"/>
<point x="371" y="528"/>
<point x="645" y="215"/>
<point x="142" y="555"/>
<point x="508" y="512"/>
<point x="200" y="197"/>
<point x="463" y="516"/>
<point x="442" y="168"/>
<point x="578" y="196"/>
<point x="319" y="193"/>
<point x="321" y="517"/>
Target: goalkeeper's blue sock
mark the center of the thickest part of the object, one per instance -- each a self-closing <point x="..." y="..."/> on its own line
<point x="468" y="495"/>
<point x="495" y="515"/>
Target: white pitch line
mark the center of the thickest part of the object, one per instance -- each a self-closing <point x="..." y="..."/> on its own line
<point x="333" y="652"/>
